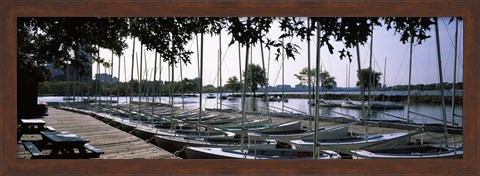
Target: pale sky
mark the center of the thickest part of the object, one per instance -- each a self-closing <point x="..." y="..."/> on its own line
<point x="385" y="45"/>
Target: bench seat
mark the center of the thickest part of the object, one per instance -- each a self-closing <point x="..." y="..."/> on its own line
<point x="30" y="146"/>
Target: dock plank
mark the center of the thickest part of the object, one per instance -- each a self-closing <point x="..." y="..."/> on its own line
<point x="116" y="143"/>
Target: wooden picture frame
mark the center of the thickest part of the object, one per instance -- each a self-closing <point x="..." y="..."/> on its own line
<point x="10" y="10"/>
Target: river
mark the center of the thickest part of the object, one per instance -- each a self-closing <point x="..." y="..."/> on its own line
<point x="432" y="110"/>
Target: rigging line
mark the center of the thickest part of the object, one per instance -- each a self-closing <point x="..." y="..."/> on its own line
<point x="428" y="60"/>
<point x="278" y="74"/>
<point x="221" y="62"/>
<point x="401" y="66"/>
<point x="448" y="32"/>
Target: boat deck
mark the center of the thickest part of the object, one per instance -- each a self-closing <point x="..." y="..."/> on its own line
<point x="116" y="143"/>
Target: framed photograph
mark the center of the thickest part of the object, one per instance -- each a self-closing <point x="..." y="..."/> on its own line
<point x="396" y="80"/>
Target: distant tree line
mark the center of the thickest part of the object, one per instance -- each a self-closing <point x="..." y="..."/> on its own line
<point x="92" y="88"/>
<point x="434" y="86"/>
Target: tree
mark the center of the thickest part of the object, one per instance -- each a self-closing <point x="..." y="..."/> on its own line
<point x="188" y="85"/>
<point x="304" y="74"/>
<point x="233" y="84"/>
<point x="255" y="76"/>
<point x="366" y="75"/>
<point x="53" y="40"/>
<point x="326" y="80"/>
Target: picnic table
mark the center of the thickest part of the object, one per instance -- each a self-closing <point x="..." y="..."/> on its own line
<point x="64" y="145"/>
<point x="32" y="126"/>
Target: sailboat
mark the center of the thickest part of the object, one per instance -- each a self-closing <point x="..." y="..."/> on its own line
<point x="420" y="151"/>
<point x="382" y="105"/>
<point x="410" y="152"/>
<point x="322" y="103"/>
<point x="351" y="104"/>
<point x="277" y="153"/>
<point x="211" y="96"/>
<point x="345" y="144"/>
<point x="256" y="153"/>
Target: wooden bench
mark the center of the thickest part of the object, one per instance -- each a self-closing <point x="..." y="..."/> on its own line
<point x="30" y="126"/>
<point x="49" y="128"/>
<point x="36" y="153"/>
<point x="95" y="152"/>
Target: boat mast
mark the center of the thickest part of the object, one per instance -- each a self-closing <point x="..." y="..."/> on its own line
<point x="409" y="80"/>
<point x="362" y="95"/>
<point x="125" y="75"/>
<point x="220" y="68"/>
<point x="309" y="78"/>
<point x="201" y="81"/>
<point x="96" y="86"/>
<point x="218" y="78"/>
<point x="131" y="82"/>
<point x="283" y="77"/>
<point x="242" y="138"/>
<point x="181" y="79"/>
<point x="118" y="84"/>
<point x="454" y="71"/>
<point x="172" y="87"/>
<point x="111" y="81"/>
<point x="265" y="88"/>
<point x="384" y="78"/>
<point x="372" y="73"/>
<point x="441" y="83"/>
<point x="139" y="84"/>
<point x="155" y="85"/>
<point x="315" y="134"/>
<point x="454" y="77"/>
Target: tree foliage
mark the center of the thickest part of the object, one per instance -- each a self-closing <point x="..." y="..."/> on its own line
<point x="255" y="76"/>
<point x="367" y="77"/>
<point x="54" y="39"/>
<point x="410" y="28"/>
<point x="188" y="85"/>
<point x="326" y="80"/>
<point x="233" y="84"/>
<point x="169" y="35"/>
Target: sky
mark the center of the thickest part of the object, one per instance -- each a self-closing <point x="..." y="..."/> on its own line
<point x="386" y="44"/>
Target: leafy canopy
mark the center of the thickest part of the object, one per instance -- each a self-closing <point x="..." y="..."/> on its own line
<point x="255" y="76"/>
<point x="326" y="80"/>
<point x="368" y="77"/>
<point x="233" y="84"/>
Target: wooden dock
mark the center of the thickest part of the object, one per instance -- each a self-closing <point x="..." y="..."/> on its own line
<point x="116" y="143"/>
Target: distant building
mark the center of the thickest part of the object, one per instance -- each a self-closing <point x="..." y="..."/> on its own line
<point x="209" y="86"/>
<point x="283" y="86"/>
<point x="106" y="78"/>
<point x="301" y="87"/>
<point x="70" y="73"/>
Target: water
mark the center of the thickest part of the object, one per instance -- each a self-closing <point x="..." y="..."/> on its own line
<point x="432" y="110"/>
<point x="388" y="92"/>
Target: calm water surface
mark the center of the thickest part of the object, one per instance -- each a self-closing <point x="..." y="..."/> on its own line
<point x="433" y="110"/>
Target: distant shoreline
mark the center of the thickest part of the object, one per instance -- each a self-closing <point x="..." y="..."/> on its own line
<point x="434" y="99"/>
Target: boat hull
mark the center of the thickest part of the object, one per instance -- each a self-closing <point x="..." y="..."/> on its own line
<point x="219" y="153"/>
<point x="411" y="152"/>
<point x="341" y="145"/>
<point x="176" y="144"/>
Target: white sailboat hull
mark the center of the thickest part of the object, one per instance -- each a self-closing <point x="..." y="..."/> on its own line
<point x="219" y="153"/>
<point x="418" y="152"/>
<point x="294" y="126"/>
<point x="324" y="132"/>
<point x="176" y="143"/>
<point x="379" y="141"/>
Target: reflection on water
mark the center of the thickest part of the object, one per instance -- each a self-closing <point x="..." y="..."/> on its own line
<point x="434" y="110"/>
